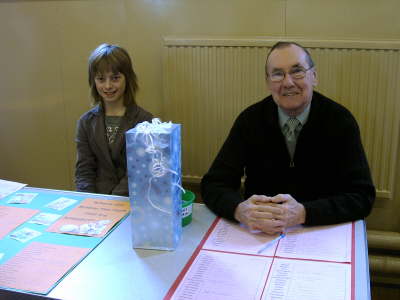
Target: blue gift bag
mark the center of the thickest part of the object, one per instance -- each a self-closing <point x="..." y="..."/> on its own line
<point x="154" y="176"/>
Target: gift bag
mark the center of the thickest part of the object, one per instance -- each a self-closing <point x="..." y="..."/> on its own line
<point x="154" y="176"/>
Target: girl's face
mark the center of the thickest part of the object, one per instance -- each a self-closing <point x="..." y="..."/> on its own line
<point x="110" y="86"/>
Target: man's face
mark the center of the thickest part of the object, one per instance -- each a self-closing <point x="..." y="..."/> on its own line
<point x="291" y="95"/>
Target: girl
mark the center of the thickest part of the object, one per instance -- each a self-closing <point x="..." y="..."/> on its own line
<point x="100" y="138"/>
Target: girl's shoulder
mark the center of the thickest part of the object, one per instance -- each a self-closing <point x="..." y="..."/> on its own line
<point x="93" y="112"/>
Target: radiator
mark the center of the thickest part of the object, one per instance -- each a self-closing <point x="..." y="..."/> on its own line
<point x="207" y="82"/>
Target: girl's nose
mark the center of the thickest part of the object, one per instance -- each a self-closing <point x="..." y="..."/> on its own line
<point x="107" y="83"/>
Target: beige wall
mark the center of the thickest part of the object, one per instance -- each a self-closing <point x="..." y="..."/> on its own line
<point x="45" y="45"/>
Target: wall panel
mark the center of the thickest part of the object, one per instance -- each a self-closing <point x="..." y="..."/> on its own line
<point x="208" y="82"/>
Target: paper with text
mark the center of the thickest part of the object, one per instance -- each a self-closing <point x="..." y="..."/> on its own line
<point x="44" y="218"/>
<point x="331" y="243"/>
<point x="9" y="187"/>
<point x="25" y="234"/>
<point x="92" y="217"/>
<point x="61" y="203"/>
<point x="309" y="263"/>
<point x="11" y="217"/>
<point x="231" y="237"/>
<point x="22" y="198"/>
<point x="224" y="276"/>
<point x="308" y="280"/>
<point x="25" y="271"/>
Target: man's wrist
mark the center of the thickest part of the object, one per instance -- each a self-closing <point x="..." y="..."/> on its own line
<point x="236" y="214"/>
<point x="302" y="214"/>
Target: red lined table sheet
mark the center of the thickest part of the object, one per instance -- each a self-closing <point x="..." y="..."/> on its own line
<point x="308" y="263"/>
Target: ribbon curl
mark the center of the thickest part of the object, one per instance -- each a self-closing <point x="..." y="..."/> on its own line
<point x="159" y="167"/>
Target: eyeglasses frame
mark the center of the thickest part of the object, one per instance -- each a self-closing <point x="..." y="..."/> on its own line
<point x="288" y="73"/>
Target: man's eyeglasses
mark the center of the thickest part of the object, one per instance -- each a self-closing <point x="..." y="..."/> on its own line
<point x="294" y="73"/>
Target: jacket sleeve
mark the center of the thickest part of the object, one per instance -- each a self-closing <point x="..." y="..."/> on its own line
<point x="85" y="168"/>
<point x="220" y="186"/>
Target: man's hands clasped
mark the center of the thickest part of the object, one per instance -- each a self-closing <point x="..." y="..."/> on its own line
<point x="270" y="214"/>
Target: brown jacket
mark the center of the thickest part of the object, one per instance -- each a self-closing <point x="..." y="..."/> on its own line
<point x="95" y="170"/>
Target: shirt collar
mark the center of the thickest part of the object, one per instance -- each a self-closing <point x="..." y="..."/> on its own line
<point x="283" y="117"/>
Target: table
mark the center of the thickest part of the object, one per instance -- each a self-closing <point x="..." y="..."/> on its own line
<point x="115" y="271"/>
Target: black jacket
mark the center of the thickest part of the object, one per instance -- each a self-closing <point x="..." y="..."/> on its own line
<point x="329" y="173"/>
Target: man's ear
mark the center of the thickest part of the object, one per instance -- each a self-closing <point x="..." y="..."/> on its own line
<point x="267" y="82"/>
<point x="315" y="77"/>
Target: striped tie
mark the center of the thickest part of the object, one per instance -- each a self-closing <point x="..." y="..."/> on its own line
<point x="291" y="129"/>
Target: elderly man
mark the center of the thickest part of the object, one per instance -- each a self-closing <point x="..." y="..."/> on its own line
<point x="299" y="152"/>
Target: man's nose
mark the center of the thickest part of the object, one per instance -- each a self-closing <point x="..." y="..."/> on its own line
<point x="288" y="80"/>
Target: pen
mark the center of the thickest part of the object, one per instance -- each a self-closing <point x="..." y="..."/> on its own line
<point x="282" y="235"/>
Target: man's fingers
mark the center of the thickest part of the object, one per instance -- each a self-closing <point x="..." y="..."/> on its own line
<point x="281" y="198"/>
<point x="258" y="215"/>
<point x="272" y="223"/>
<point x="271" y="209"/>
<point x="259" y="199"/>
<point x="262" y="215"/>
<point x="269" y="226"/>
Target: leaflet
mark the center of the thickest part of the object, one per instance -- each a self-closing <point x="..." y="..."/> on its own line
<point x="24" y="271"/>
<point x="9" y="187"/>
<point x="11" y="217"/>
<point x="92" y="217"/>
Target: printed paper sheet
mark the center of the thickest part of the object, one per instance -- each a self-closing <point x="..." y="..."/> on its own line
<point x="92" y="217"/>
<point x="309" y="263"/>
